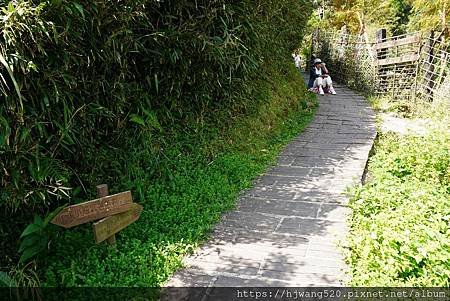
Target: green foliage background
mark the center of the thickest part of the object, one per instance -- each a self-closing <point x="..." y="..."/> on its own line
<point x="398" y="16"/>
<point x="160" y="97"/>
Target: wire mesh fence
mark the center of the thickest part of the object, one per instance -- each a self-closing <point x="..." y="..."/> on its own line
<point x="348" y="58"/>
<point x="433" y="78"/>
<point x="411" y="66"/>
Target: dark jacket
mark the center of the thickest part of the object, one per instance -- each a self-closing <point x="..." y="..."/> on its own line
<point x="313" y="76"/>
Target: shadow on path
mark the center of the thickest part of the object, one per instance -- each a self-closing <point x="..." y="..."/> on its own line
<point x="284" y="229"/>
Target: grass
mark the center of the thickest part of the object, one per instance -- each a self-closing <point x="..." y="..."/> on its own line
<point x="437" y="110"/>
<point x="400" y="226"/>
<point x="201" y="177"/>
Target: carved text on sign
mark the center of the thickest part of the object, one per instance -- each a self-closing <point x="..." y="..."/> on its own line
<point x="93" y="210"/>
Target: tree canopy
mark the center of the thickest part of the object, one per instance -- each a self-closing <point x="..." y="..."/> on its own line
<point x="399" y="16"/>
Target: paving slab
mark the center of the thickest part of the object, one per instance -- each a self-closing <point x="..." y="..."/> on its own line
<point x="285" y="230"/>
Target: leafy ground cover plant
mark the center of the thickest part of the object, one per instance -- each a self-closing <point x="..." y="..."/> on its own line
<point x="400" y="227"/>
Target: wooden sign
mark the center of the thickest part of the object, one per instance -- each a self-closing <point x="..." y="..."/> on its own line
<point x="93" y="210"/>
<point x="107" y="227"/>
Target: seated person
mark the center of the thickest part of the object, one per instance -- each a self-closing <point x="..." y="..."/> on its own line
<point x="319" y="78"/>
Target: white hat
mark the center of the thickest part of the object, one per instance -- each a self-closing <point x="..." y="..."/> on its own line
<point x="317" y="61"/>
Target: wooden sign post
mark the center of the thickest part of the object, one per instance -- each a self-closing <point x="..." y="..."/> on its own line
<point x="114" y="211"/>
<point x="102" y="191"/>
<point x="93" y="210"/>
<point x="107" y="227"/>
<point x="381" y="38"/>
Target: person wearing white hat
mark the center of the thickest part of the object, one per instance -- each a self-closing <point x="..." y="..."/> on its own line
<point x="319" y="78"/>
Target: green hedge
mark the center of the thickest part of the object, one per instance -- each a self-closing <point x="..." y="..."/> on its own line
<point x="91" y="75"/>
<point x="112" y="91"/>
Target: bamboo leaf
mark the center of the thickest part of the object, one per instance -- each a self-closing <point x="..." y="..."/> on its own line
<point x="137" y="119"/>
<point x="16" y="85"/>
<point x="79" y="8"/>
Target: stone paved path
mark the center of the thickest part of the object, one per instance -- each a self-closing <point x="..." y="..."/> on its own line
<point x="284" y="230"/>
